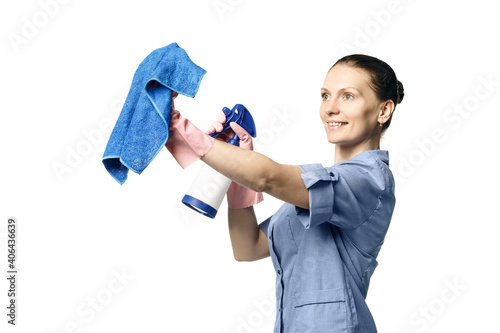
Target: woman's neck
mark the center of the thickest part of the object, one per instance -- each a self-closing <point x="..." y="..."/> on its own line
<point x="344" y="153"/>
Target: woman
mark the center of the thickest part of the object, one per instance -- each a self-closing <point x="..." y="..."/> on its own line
<point x="325" y="239"/>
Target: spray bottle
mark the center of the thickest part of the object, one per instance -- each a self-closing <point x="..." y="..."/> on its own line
<point x="209" y="188"/>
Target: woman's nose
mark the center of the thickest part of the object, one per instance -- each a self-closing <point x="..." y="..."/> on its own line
<point x="331" y="108"/>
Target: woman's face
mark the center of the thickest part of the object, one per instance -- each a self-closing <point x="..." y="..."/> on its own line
<point x="349" y="108"/>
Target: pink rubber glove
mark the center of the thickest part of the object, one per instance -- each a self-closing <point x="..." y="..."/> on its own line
<point x="238" y="196"/>
<point x="185" y="141"/>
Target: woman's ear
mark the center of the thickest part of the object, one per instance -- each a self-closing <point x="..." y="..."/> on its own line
<point x="386" y="110"/>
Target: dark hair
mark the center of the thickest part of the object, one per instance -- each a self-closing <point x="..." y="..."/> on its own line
<point x="383" y="79"/>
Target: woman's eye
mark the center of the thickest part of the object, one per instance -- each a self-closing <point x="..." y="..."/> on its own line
<point x="348" y="96"/>
<point x="325" y="97"/>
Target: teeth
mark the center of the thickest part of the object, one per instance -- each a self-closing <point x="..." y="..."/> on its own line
<point x="336" y="124"/>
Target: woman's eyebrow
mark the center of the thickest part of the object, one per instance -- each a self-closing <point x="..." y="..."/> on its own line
<point x="346" y="88"/>
<point x="342" y="89"/>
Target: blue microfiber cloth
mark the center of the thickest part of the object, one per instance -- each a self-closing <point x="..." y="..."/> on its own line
<point x="141" y="130"/>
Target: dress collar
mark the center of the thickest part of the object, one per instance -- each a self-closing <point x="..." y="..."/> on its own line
<point x="382" y="155"/>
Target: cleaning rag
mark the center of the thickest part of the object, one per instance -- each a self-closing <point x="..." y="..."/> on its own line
<point x="142" y="128"/>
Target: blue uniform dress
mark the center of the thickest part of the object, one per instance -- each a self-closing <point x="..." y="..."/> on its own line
<point x="324" y="257"/>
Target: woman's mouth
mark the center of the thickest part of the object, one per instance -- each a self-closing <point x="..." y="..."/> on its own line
<point x="336" y="124"/>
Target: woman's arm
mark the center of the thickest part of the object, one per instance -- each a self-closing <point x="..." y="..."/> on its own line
<point x="249" y="242"/>
<point x="259" y="173"/>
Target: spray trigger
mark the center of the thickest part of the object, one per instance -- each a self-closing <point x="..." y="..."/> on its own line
<point x="240" y="115"/>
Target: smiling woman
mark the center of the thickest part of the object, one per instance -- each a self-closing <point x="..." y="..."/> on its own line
<point x="359" y="93"/>
<point x="326" y="237"/>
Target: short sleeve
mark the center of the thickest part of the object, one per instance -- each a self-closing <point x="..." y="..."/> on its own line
<point x="265" y="225"/>
<point x="345" y="195"/>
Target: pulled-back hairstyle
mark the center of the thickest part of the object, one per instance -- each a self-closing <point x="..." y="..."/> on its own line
<point x="383" y="80"/>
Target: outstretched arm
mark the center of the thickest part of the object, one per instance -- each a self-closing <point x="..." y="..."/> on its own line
<point x="259" y="173"/>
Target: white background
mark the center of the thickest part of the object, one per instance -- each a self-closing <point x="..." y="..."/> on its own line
<point x="78" y="229"/>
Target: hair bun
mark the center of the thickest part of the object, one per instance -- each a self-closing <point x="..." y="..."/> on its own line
<point x="401" y="92"/>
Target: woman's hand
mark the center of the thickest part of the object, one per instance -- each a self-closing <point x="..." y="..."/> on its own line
<point x="217" y="126"/>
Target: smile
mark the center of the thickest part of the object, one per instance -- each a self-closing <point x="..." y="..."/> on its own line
<point x="336" y="123"/>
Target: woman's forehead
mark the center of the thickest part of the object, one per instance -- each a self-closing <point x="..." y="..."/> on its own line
<point x="343" y="76"/>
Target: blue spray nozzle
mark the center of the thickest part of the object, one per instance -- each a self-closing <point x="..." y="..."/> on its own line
<point x="226" y="111"/>
<point x="240" y="115"/>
